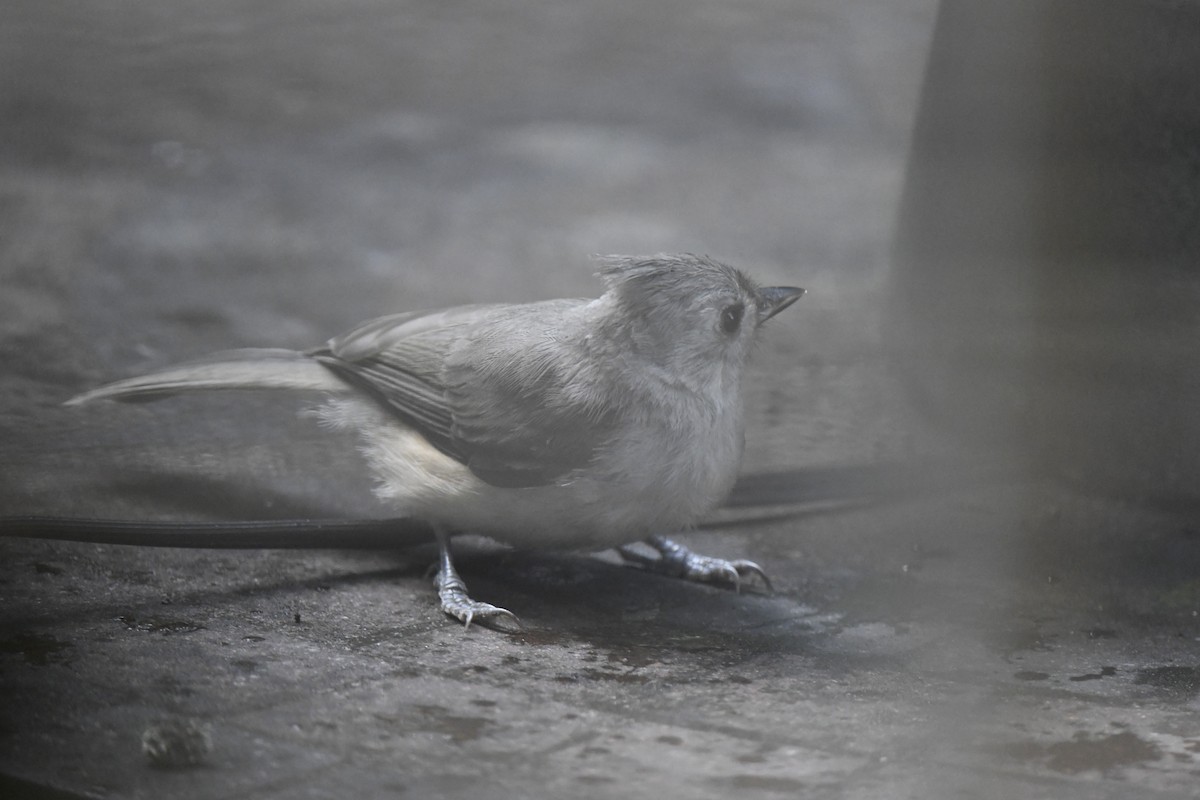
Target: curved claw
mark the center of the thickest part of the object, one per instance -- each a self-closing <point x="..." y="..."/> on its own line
<point x="678" y="561"/>
<point x="457" y="603"/>
<point x="485" y="613"/>
<point x="718" y="570"/>
<point x="727" y="571"/>
<point x="746" y="568"/>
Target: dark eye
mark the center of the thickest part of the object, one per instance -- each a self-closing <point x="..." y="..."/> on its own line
<point x="731" y="317"/>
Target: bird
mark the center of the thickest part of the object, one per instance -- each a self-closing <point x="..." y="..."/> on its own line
<point x="584" y="424"/>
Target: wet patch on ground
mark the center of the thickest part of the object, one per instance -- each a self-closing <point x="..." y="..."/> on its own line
<point x="1088" y="752"/>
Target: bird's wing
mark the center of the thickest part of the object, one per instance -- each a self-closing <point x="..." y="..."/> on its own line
<point x="399" y="359"/>
<point x="529" y="405"/>
<point x="495" y="387"/>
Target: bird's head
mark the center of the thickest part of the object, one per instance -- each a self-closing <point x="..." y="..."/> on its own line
<point x="692" y="316"/>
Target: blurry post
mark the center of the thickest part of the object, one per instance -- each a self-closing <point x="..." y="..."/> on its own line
<point x="1045" y="304"/>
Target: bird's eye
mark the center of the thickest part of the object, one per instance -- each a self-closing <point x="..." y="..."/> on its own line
<point x="731" y="317"/>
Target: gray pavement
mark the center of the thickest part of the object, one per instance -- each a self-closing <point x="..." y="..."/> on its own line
<point x="178" y="179"/>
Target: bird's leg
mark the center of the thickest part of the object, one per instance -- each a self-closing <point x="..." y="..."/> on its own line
<point x="453" y="593"/>
<point x="679" y="562"/>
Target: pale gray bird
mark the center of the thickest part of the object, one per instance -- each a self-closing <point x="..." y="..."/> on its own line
<point x="583" y="424"/>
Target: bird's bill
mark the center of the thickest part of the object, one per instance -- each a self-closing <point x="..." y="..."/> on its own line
<point x="773" y="299"/>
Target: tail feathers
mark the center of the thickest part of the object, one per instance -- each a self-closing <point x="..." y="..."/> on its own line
<point x="233" y="369"/>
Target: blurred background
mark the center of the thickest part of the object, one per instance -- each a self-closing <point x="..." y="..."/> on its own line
<point x="182" y="178"/>
<point x="993" y="208"/>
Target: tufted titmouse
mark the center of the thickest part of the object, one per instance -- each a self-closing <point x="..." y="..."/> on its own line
<point x="562" y="423"/>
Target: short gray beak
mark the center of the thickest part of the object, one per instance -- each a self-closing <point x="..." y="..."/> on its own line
<point x="774" y="299"/>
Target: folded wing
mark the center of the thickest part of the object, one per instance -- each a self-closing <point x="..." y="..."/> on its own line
<point x="499" y="388"/>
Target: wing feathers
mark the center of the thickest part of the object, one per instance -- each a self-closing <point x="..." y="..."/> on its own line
<point x="495" y="387"/>
<point x="487" y="385"/>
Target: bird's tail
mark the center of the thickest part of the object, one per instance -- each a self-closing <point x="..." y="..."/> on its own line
<point x="233" y="369"/>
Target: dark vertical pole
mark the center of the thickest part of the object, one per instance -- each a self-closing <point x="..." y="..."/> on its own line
<point x="1046" y="283"/>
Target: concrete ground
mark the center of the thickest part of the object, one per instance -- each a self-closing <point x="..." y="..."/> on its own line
<point x="179" y="179"/>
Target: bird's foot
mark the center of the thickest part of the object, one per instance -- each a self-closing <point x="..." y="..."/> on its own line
<point x="678" y="561"/>
<point x="457" y="603"/>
